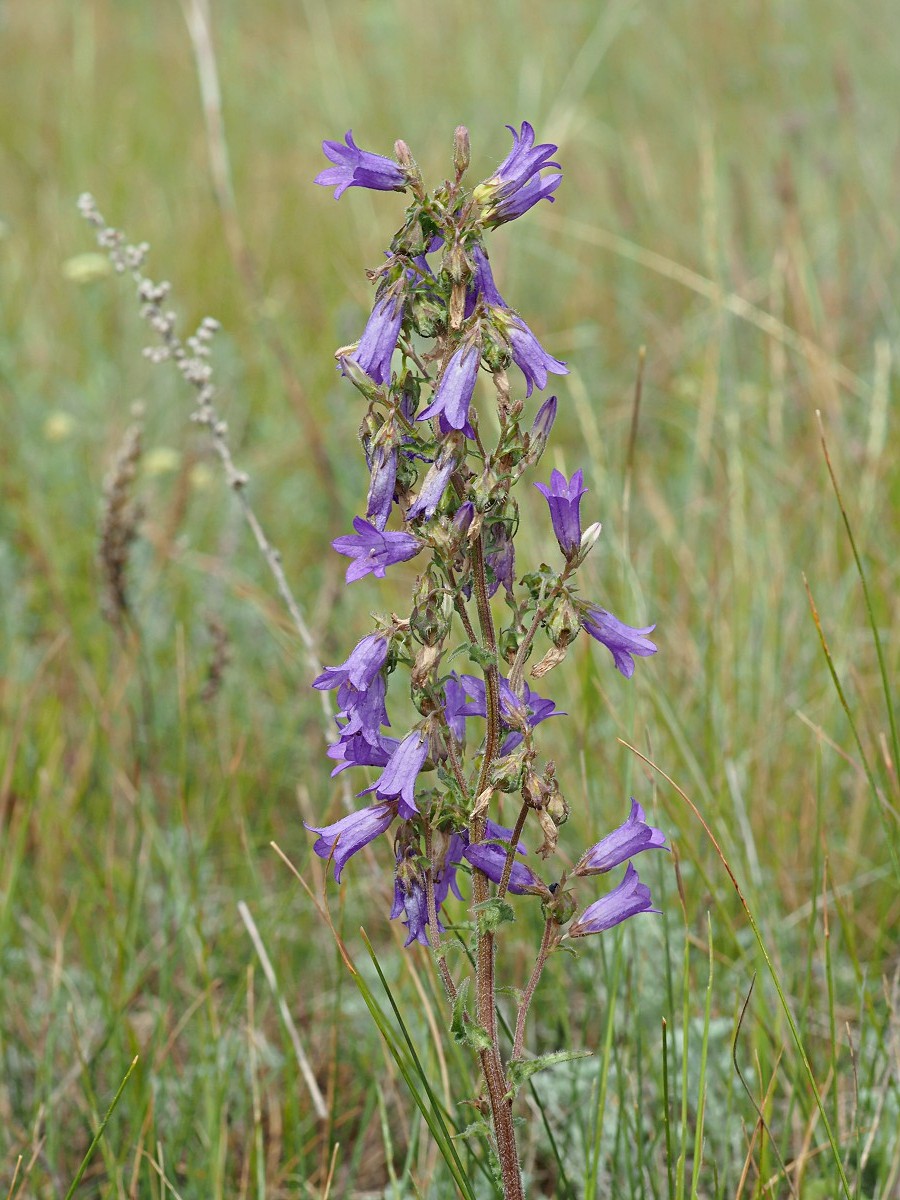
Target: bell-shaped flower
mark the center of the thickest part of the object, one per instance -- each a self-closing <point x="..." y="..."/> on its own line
<point x="454" y="390"/>
<point x="359" y="168"/>
<point x="530" y="356"/>
<point x="398" y="779"/>
<point x="456" y="706"/>
<point x="527" y="353"/>
<point x="361" y="666"/>
<point x="373" y="550"/>
<point x="623" y="641"/>
<point x="411" y="900"/>
<point x="531" y="710"/>
<point x="501" y="558"/>
<point x="363" y="712"/>
<point x="632" y="837"/>
<point x="433" y="486"/>
<point x="517" y="183"/>
<point x="564" y="499"/>
<point x="626" y="900"/>
<point x="445" y="864"/>
<point x="490" y="859"/>
<point x="379" y="340"/>
<point x="540" y="429"/>
<point x="344" y="838"/>
<point x="358" y="749"/>
<point x="383" y="467"/>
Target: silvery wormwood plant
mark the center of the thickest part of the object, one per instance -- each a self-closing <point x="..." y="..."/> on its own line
<point x="447" y="495"/>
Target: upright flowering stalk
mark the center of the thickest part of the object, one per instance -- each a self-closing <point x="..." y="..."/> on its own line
<point x="433" y="488"/>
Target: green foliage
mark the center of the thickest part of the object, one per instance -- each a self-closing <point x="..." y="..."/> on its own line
<point x="493" y="913"/>
<point x="466" y="1031"/>
<point x="729" y="201"/>
<point x="521" y="1070"/>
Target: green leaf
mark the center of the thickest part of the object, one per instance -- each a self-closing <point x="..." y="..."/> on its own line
<point x="520" y="1070"/>
<point x="458" y="1019"/>
<point x="467" y="1032"/>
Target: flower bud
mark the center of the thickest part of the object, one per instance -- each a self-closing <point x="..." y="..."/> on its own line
<point x="432" y="611"/>
<point x="461" y="152"/>
<point x="351" y="369"/>
<point x="563" y="621"/>
<point x="456" y="264"/>
<point x="588" y="541"/>
<point x="560" y="909"/>
<point x="463" y="517"/>
<point x="403" y="153"/>
<point x="539" y="434"/>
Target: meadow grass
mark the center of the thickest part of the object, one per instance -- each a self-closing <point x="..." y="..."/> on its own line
<point x="729" y="203"/>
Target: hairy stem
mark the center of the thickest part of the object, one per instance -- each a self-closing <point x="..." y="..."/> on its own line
<point x="547" y="942"/>
<point x="518" y="667"/>
<point x="491" y="1063"/>
<point x="511" y="851"/>
<point x="436" y="942"/>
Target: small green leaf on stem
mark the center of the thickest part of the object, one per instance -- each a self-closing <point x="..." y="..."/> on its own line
<point x="493" y="913"/>
<point x="521" y="1070"/>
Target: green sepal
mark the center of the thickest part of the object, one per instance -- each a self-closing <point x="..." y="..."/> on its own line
<point x="520" y="1070"/>
<point x="493" y="913"/>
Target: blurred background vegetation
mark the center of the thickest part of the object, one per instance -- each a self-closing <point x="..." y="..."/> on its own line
<point x="730" y="203"/>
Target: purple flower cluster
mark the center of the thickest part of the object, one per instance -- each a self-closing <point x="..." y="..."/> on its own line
<point x="431" y="468"/>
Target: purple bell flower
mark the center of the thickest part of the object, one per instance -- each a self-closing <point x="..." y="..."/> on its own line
<point x="445" y="871"/>
<point x="632" y="837"/>
<point x="383" y="465"/>
<point x="491" y="859"/>
<point x="543" y="423"/>
<point x="527" y="353"/>
<point x="359" y="168"/>
<point x="373" y="551"/>
<point x="564" y="499"/>
<point x="362" y="665"/>
<point x="626" y="900"/>
<point x="621" y="640"/>
<point x="379" y="340"/>
<point x="433" y="486"/>
<point x="345" y="837"/>
<point x="363" y="712"/>
<point x="357" y="750"/>
<point x="517" y="183"/>
<point x="454" y="391"/>
<point x="456" y="706"/>
<point x="411" y="900"/>
<point x="530" y="356"/>
<point x="398" y="779"/>
<point x="531" y="709"/>
<point x="501" y="558"/>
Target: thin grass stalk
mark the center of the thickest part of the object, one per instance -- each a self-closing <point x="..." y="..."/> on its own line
<point x="101" y="1129"/>
<point x="795" y="1032"/>
<point x="873" y="624"/>
<point x="704" y="1050"/>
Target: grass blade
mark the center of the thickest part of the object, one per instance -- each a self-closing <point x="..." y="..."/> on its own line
<point x="95" y="1141"/>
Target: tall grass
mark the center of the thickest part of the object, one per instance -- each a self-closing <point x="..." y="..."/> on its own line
<point x="729" y="203"/>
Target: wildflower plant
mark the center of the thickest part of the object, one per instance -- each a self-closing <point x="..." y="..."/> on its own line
<point x="440" y="493"/>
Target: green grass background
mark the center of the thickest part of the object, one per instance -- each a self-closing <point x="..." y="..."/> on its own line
<point x="729" y="202"/>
